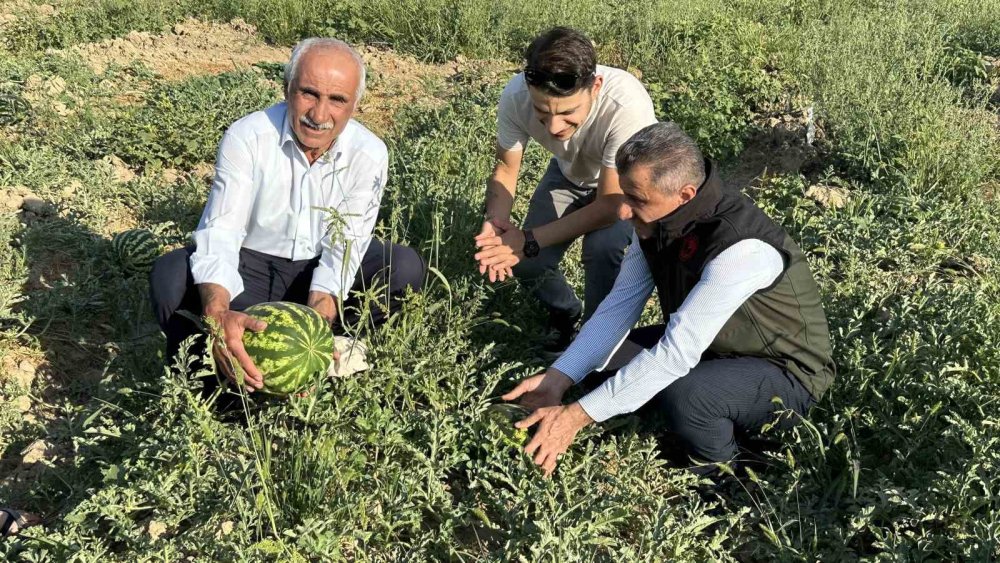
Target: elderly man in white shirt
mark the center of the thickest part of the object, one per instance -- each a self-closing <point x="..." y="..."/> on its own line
<point x="290" y="214"/>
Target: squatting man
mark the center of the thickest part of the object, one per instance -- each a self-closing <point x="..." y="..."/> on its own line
<point x="263" y="234"/>
<point x="745" y="323"/>
<point x="580" y="112"/>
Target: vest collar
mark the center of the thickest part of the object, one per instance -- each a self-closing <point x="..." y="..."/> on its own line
<point x="704" y="204"/>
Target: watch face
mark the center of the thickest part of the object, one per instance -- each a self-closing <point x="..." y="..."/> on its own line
<point x="531" y="249"/>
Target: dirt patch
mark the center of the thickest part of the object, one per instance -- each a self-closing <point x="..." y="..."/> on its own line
<point x="195" y="48"/>
<point x="21" y="364"/>
<point x="396" y="81"/>
<point x="10" y="12"/>
<point x="784" y="144"/>
<point x="192" y="48"/>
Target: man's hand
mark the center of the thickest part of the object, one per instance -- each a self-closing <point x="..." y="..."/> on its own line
<point x="500" y="251"/>
<point x="326" y="306"/>
<point x="557" y="426"/>
<point x="545" y="389"/>
<point x="233" y="324"/>
<point x="491" y="230"/>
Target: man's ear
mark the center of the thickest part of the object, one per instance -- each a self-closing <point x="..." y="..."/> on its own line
<point x="687" y="193"/>
<point x="596" y="86"/>
<point x="284" y="89"/>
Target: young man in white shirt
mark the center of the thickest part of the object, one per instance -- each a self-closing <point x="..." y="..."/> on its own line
<point x="745" y="321"/>
<point x="265" y="233"/>
<point x="580" y="112"/>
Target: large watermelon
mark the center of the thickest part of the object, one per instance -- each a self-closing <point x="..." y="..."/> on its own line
<point x="136" y="250"/>
<point x="296" y="344"/>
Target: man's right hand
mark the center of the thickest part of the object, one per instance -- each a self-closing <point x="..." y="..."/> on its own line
<point x="545" y="389"/>
<point x="233" y="324"/>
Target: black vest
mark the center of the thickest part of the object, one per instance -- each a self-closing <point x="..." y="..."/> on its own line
<point x="783" y="323"/>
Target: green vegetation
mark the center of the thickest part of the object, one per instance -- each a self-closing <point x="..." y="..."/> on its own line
<point x="898" y="462"/>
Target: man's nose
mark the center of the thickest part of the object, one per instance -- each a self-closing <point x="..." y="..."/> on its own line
<point x="624" y="212"/>
<point x="320" y="113"/>
<point x="555" y="126"/>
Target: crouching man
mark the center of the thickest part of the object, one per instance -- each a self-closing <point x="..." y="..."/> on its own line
<point x="745" y="322"/>
<point x="267" y="232"/>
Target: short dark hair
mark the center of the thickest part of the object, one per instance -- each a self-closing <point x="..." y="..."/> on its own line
<point x="673" y="157"/>
<point x="561" y="51"/>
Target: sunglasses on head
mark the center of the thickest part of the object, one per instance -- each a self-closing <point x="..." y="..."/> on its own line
<point x="561" y="81"/>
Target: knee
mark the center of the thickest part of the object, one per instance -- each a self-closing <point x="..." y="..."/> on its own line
<point x="530" y="268"/>
<point x="607" y="244"/>
<point x="676" y="410"/>
<point x="168" y="282"/>
<point x="408" y="269"/>
<point x="705" y="433"/>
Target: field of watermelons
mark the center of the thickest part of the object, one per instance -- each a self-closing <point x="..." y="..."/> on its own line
<point x="867" y="128"/>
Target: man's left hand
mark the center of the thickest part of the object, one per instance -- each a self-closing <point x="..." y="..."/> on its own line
<point x="557" y="427"/>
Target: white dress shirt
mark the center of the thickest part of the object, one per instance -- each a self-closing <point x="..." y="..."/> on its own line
<point x="267" y="197"/>
<point x="727" y="281"/>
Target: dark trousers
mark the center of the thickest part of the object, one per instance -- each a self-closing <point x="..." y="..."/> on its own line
<point x="391" y="268"/>
<point x="718" y="400"/>
<point x="602" y="252"/>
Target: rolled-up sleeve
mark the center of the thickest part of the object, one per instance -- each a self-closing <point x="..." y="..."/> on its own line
<point x="344" y="244"/>
<point x="223" y="223"/>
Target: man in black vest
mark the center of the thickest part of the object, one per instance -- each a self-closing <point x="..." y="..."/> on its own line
<point x="745" y="322"/>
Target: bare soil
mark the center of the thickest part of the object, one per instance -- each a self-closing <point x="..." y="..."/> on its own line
<point x="197" y="48"/>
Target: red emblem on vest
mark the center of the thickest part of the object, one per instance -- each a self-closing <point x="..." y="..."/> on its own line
<point x="688" y="247"/>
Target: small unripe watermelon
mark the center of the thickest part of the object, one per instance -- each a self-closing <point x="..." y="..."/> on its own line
<point x="296" y="344"/>
<point x="136" y="250"/>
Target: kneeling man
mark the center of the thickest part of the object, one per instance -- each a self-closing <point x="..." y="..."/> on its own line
<point x="745" y="322"/>
<point x="290" y="213"/>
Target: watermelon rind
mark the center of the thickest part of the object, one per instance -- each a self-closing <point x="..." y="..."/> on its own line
<point x="136" y="250"/>
<point x="296" y="345"/>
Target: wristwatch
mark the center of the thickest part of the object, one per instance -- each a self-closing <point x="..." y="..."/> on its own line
<point x="531" y="247"/>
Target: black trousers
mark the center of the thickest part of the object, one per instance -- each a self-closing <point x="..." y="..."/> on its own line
<point x="390" y="267"/>
<point x="718" y="401"/>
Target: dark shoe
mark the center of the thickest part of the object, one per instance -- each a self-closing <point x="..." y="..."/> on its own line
<point x="561" y="330"/>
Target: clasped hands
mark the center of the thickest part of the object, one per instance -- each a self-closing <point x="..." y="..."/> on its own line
<point x="500" y="246"/>
<point x="558" y="424"/>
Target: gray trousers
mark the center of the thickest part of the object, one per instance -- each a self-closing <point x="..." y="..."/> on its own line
<point x="718" y="401"/>
<point x="603" y="249"/>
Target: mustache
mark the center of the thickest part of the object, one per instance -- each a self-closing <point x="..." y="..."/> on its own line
<point x="321" y="126"/>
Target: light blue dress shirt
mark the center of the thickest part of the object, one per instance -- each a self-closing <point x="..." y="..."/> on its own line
<point x="726" y="282"/>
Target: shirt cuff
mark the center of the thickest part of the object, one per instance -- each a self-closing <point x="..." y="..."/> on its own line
<point x="599" y="404"/>
<point x="209" y="269"/>
<point x="575" y="369"/>
<point x="327" y="281"/>
<point x="612" y="398"/>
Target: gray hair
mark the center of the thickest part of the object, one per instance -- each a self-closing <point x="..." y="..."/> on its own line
<point x="673" y="157"/>
<point x="292" y="67"/>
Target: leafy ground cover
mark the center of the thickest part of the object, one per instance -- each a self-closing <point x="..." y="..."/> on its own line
<point x="893" y="200"/>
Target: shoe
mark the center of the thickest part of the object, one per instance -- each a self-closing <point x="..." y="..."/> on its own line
<point x="352" y="357"/>
<point x="561" y="330"/>
<point x="13" y="521"/>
